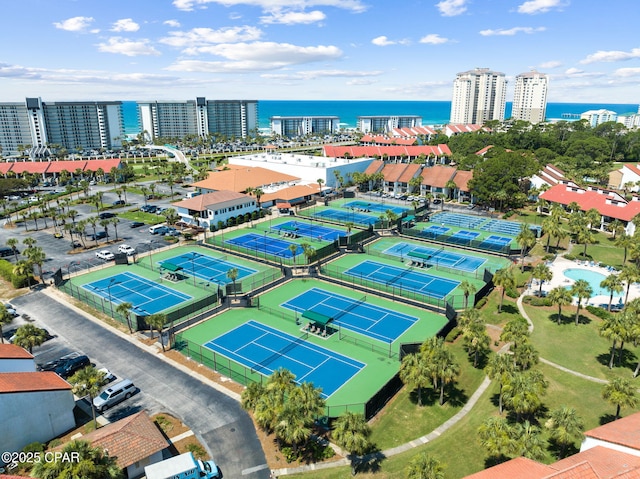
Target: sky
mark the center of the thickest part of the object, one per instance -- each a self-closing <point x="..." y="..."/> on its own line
<point x="313" y="49"/>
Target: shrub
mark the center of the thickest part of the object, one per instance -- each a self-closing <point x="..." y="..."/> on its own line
<point x="33" y="447"/>
<point x="6" y="270"/>
<point x="481" y="302"/>
<point x="197" y="451"/>
<point x="512" y="293"/>
<point x="550" y="257"/>
<point x="453" y="335"/>
<point x="570" y="257"/>
<point x="535" y="301"/>
<point x="599" y="312"/>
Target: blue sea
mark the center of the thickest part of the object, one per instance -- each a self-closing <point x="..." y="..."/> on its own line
<point x="432" y="112"/>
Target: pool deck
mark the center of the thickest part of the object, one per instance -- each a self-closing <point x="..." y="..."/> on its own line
<point x="559" y="279"/>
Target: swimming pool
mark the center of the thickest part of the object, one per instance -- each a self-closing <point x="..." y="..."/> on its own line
<point x="593" y="278"/>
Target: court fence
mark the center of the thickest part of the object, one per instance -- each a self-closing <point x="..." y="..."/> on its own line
<point x="376" y="402"/>
<point x="449" y="238"/>
<point x="174" y="315"/>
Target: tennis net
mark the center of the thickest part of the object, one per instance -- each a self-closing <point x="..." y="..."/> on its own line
<point x="206" y="261"/>
<point x="293" y="344"/>
<point x="351" y="307"/>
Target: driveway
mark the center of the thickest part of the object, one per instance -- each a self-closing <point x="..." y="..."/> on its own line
<point x="216" y="419"/>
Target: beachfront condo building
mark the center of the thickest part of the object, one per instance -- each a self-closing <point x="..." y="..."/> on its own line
<point x="530" y="97"/>
<point x="291" y="126"/>
<point x="202" y="117"/>
<point x="597" y="117"/>
<point x="386" y="124"/>
<point x="72" y="125"/>
<point x="478" y="96"/>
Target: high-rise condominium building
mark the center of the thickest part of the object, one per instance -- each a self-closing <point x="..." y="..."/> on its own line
<point x="530" y="97"/>
<point x="478" y="96"/>
<point x="72" y="125"/>
<point x="176" y="119"/>
<point x="303" y="125"/>
<point x="386" y="124"/>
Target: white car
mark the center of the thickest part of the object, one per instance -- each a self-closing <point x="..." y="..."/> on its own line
<point x="126" y="249"/>
<point x="108" y="375"/>
<point x="105" y="255"/>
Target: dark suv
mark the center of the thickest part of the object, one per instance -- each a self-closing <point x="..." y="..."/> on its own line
<point x="68" y="367"/>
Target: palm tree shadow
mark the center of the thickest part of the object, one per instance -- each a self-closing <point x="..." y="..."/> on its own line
<point x="509" y="308"/>
<point x="607" y="418"/>
<point x="429" y="397"/>
<point x="455" y="397"/>
<point x="371" y="462"/>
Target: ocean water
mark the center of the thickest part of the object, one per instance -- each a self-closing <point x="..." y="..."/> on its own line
<point x="432" y="112"/>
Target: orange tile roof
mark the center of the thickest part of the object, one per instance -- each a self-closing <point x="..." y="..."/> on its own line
<point x="607" y="463"/>
<point x="12" y="351"/>
<point x="374" y="167"/>
<point x="31" y="381"/>
<point x="462" y="179"/>
<point x="633" y="168"/>
<point x="201" y="202"/>
<point x="70" y="166"/>
<point x="291" y="193"/>
<point x="518" y="468"/>
<point x="624" y="432"/>
<point x="106" y="165"/>
<point x="35" y="167"/>
<point x="584" y="470"/>
<point x="129" y="440"/>
<point x="409" y="172"/>
<point x="393" y="171"/>
<point x="413" y="151"/>
<point x="241" y="178"/>
<point x="437" y="175"/>
<point x="5" y="166"/>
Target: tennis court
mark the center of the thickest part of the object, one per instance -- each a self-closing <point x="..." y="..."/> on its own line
<point x="353" y="314"/>
<point x="433" y="231"/>
<point x="463" y="237"/>
<point x="439" y="256"/>
<point x="146" y="296"/>
<point x="405" y="278"/>
<point x="375" y="207"/>
<point x="208" y="267"/>
<point x="457" y="219"/>
<point x="495" y="243"/>
<point x="264" y="244"/>
<point x="264" y="349"/>
<point x="342" y="216"/>
<point x="309" y="230"/>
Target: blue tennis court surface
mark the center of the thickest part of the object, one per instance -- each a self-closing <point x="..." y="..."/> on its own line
<point x="375" y="207"/>
<point x="373" y="321"/>
<point x="343" y="216"/>
<point x="405" y="278"/>
<point x="146" y="296"/>
<point x="438" y="256"/>
<point x="310" y="230"/>
<point x="208" y="267"/>
<point x="264" y="244"/>
<point x="457" y="219"/>
<point x="463" y="237"/>
<point x="433" y="231"/>
<point x="495" y="243"/>
<point x="264" y="349"/>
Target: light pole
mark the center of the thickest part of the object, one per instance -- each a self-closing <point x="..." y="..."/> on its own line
<point x="112" y="282"/>
<point x="194" y="255"/>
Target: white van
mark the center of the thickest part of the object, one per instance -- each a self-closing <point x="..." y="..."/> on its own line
<point x="156" y="228"/>
<point x="114" y="394"/>
<point x="192" y="194"/>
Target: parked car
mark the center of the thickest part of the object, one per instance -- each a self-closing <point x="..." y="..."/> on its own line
<point x="69" y="367"/>
<point x="172" y="232"/>
<point x="105" y="255"/>
<point x="118" y="203"/>
<point x="108" y="375"/>
<point x="126" y="249"/>
<point x="105" y="215"/>
<point x="437" y="201"/>
<point x="11" y="310"/>
<point x="136" y="224"/>
<point x="97" y="236"/>
<point x="114" y="394"/>
<point x="52" y="365"/>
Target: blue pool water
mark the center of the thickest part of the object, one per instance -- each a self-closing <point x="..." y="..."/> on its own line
<point x="591" y="277"/>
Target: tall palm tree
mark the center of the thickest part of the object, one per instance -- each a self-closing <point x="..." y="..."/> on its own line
<point x="37" y="257"/>
<point x="415" y="374"/>
<point x="232" y="275"/>
<point x="423" y="466"/>
<point x="630" y="274"/>
<point x="623" y="241"/>
<point x="582" y="290"/>
<point x="124" y="309"/>
<point x="92" y="463"/>
<point x="5" y="318"/>
<point x="351" y="432"/>
<point x="523" y="392"/>
<point x="565" y="427"/>
<point x="542" y="273"/>
<point x="250" y="396"/>
<point x="515" y="331"/>
<point x="30" y="336"/>
<point x="612" y="283"/>
<point x="320" y="182"/>
<point x="467" y="289"/>
<point x="527" y="441"/>
<point x="93" y="222"/>
<point x="560" y="296"/>
<point x="504" y="279"/>
<point x="24" y="269"/>
<point x="114" y="221"/>
<point x="13" y="244"/>
<point x="621" y="393"/>
<point x="292" y="426"/>
<point x="294" y="251"/>
<point x="527" y="240"/>
<point x="156" y="322"/>
<point x="614" y="328"/>
<point x="500" y="367"/>
<point x="495" y="436"/>
<point x="88" y="382"/>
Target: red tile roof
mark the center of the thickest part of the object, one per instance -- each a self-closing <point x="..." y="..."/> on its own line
<point x="129" y="440"/>
<point x="413" y="131"/>
<point x="607" y="203"/>
<point x="374" y="167"/>
<point x="462" y="179"/>
<point x="12" y="351"/>
<point x="70" y="166"/>
<point x="35" y="167"/>
<point x="106" y="165"/>
<point x="454" y="129"/>
<point x="393" y="171"/>
<point x="624" y="431"/>
<point x="518" y="468"/>
<point x="437" y="175"/>
<point x="583" y="470"/>
<point x="32" y="381"/>
<point x="5" y="166"/>
<point x="607" y="463"/>
<point x="633" y="168"/>
<point x="291" y="193"/>
<point x="202" y="202"/>
<point x="390" y="151"/>
<point x="482" y="151"/>
<point x="240" y="178"/>
<point x="409" y="172"/>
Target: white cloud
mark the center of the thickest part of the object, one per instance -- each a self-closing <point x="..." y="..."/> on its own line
<point x="201" y="37"/>
<point x="274" y="5"/>
<point x="313" y="74"/>
<point x="551" y="64"/>
<point x="126" y="47"/>
<point x="577" y="73"/>
<point x="75" y="24"/>
<point x="172" y="23"/>
<point x="361" y="82"/>
<point x="383" y="41"/>
<point x="540" y="6"/>
<point x="433" y="39"/>
<point x="627" y="72"/>
<point x="451" y="8"/>
<point x="611" y="56"/>
<point x="293" y="18"/>
<point x="511" y="31"/>
<point x="125" y="25"/>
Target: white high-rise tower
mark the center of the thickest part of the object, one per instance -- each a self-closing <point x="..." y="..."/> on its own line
<point x="530" y="97"/>
<point x="478" y="96"/>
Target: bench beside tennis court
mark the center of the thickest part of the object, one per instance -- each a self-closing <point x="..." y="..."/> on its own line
<point x="207" y="267"/>
<point x="264" y="349"/>
<point x="354" y="314"/>
<point x="405" y="278"/>
<point x="146" y="296"/>
<point x="264" y="244"/>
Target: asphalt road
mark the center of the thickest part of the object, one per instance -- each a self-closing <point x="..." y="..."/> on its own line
<point x="218" y="420"/>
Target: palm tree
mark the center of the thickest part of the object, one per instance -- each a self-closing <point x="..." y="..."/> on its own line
<point x="5" y="318"/>
<point x="91" y="463"/>
<point x="24" y="269"/>
<point x="308" y="251"/>
<point x="560" y="296"/>
<point x="467" y="289"/>
<point x="156" y="322"/>
<point x="504" y="279"/>
<point x="37" y="257"/>
<point x="232" y="274"/>
<point x="527" y="441"/>
<point x="542" y="273"/>
<point x="88" y="382"/>
<point x="525" y="355"/>
<point x="621" y="393"/>
<point x="114" y="222"/>
<point x="29" y="242"/>
<point x="29" y="336"/>
<point x="616" y="227"/>
<point x="349" y="225"/>
<point x="93" y="222"/>
<point x="294" y="251"/>
<point x="523" y="392"/>
<point x="351" y="432"/>
<point x="292" y="426"/>
<point x="630" y="274"/>
<point x="495" y="436"/>
<point x="582" y="290"/>
<point x="13" y="244"/>
<point x="586" y="237"/>
<point x="474" y="334"/>
<point x="623" y="241"/>
<point x="515" y="331"/>
<point x="250" y="396"/>
<point x="612" y="283"/>
<point x="565" y="427"/>
<point x="614" y="328"/>
<point x="415" y="374"/>
<point x="124" y="309"/>
<point x="526" y="239"/>
<point x="500" y="367"/>
<point x="423" y="466"/>
<point x="320" y="182"/>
